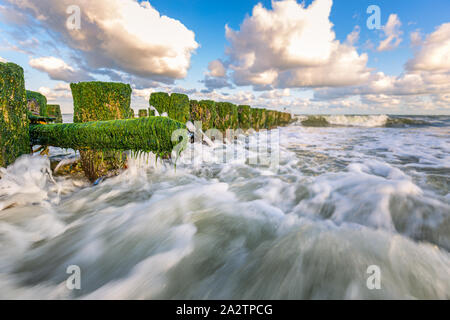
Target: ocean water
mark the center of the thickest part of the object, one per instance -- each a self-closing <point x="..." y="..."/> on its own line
<point x="347" y="193"/>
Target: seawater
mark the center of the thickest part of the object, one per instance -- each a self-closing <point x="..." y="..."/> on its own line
<point x="353" y="194"/>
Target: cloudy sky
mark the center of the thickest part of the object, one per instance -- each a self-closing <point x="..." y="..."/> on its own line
<point x="315" y="56"/>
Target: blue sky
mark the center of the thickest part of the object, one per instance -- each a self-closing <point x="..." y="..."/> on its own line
<point x="405" y="77"/>
<point x="208" y="18"/>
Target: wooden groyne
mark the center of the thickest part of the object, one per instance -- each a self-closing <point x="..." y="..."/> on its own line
<point x="217" y="115"/>
<point x="147" y="134"/>
<point x="104" y="122"/>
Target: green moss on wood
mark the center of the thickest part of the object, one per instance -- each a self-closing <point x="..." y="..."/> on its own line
<point x="151" y="134"/>
<point x="262" y="119"/>
<point x="179" y="107"/>
<point x="100" y="101"/>
<point x="33" y="108"/>
<point x="143" y="113"/>
<point x="285" y="118"/>
<point x="160" y="101"/>
<point x="244" y="117"/>
<point x="14" y="136"/>
<point x="255" y="116"/>
<point x="227" y="116"/>
<point x="40" y="99"/>
<point x="271" y="119"/>
<point x="54" y="111"/>
<point x="204" y="111"/>
<point x="40" y="119"/>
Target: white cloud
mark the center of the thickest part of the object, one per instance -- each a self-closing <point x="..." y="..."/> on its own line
<point x="434" y="55"/>
<point x="57" y="69"/>
<point x="424" y="85"/>
<point x="274" y="94"/>
<point x="216" y="77"/>
<point x="239" y="97"/>
<point x="60" y="91"/>
<point x="3" y="60"/>
<point x="216" y="69"/>
<point x="212" y="83"/>
<point x="415" y="38"/>
<point x="292" y="46"/>
<point x="393" y="34"/>
<point x="121" y="35"/>
<point x="353" y="37"/>
<point x="143" y="93"/>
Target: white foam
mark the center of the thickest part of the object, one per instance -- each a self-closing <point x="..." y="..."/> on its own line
<point x="342" y="199"/>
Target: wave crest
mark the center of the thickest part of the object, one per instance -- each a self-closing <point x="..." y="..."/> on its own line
<point x="369" y="121"/>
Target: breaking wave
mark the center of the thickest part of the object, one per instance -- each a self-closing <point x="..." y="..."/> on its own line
<point x="338" y="203"/>
<point x="360" y="121"/>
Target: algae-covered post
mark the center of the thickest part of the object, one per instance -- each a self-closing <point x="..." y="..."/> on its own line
<point x="227" y="116"/>
<point x="142" y="113"/>
<point x="14" y="135"/>
<point x="255" y="116"/>
<point x="244" y="117"/>
<point x="204" y="111"/>
<point x="39" y="99"/>
<point x="160" y="101"/>
<point x="262" y="118"/>
<point x="271" y="119"/>
<point x="285" y="118"/>
<point x="101" y="101"/>
<point x="152" y="134"/>
<point x="179" y="108"/>
<point x="95" y="101"/>
<point x="54" y="111"/>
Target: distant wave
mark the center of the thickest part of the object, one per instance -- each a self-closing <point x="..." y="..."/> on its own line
<point x="370" y="121"/>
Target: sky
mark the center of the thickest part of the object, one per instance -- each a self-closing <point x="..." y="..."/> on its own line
<point x="310" y="57"/>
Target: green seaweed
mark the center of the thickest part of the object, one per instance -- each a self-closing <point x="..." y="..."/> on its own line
<point x="143" y="113"/>
<point x="14" y="136"/>
<point x="40" y="119"/>
<point x="101" y="101"/>
<point x="285" y="118"/>
<point x="227" y="116"/>
<point x="54" y="111"/>
<point x="255" y="118"/>
<point x="179" y="107"/>
<point x="150" y="134"/>
<point x="219" y="115"/>
<point x="262" y="118"/>
<point x="161" y="101"/>
<point x="244" y="117"/>
<point x="271" y="119"/>
<point x="204" y="111"/>
<point x="95" y="101"/>
<point x="315" y="121"/>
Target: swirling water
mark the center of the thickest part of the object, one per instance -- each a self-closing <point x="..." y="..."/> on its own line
<point x="343" y="198"/>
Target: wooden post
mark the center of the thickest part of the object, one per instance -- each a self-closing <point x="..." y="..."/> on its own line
<point x="54" y="111"/>
<point x="142" y="113"/>
<point x="14" y="135"/>
<point x="95" y="101"/>
<point x="39" y="99"/>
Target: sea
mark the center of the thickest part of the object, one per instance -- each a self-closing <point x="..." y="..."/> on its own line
<point x="346" y="207"/>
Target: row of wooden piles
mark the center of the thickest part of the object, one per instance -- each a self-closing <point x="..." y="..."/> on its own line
<point x="101" y="140"/>
<point x="217" y="115"/>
